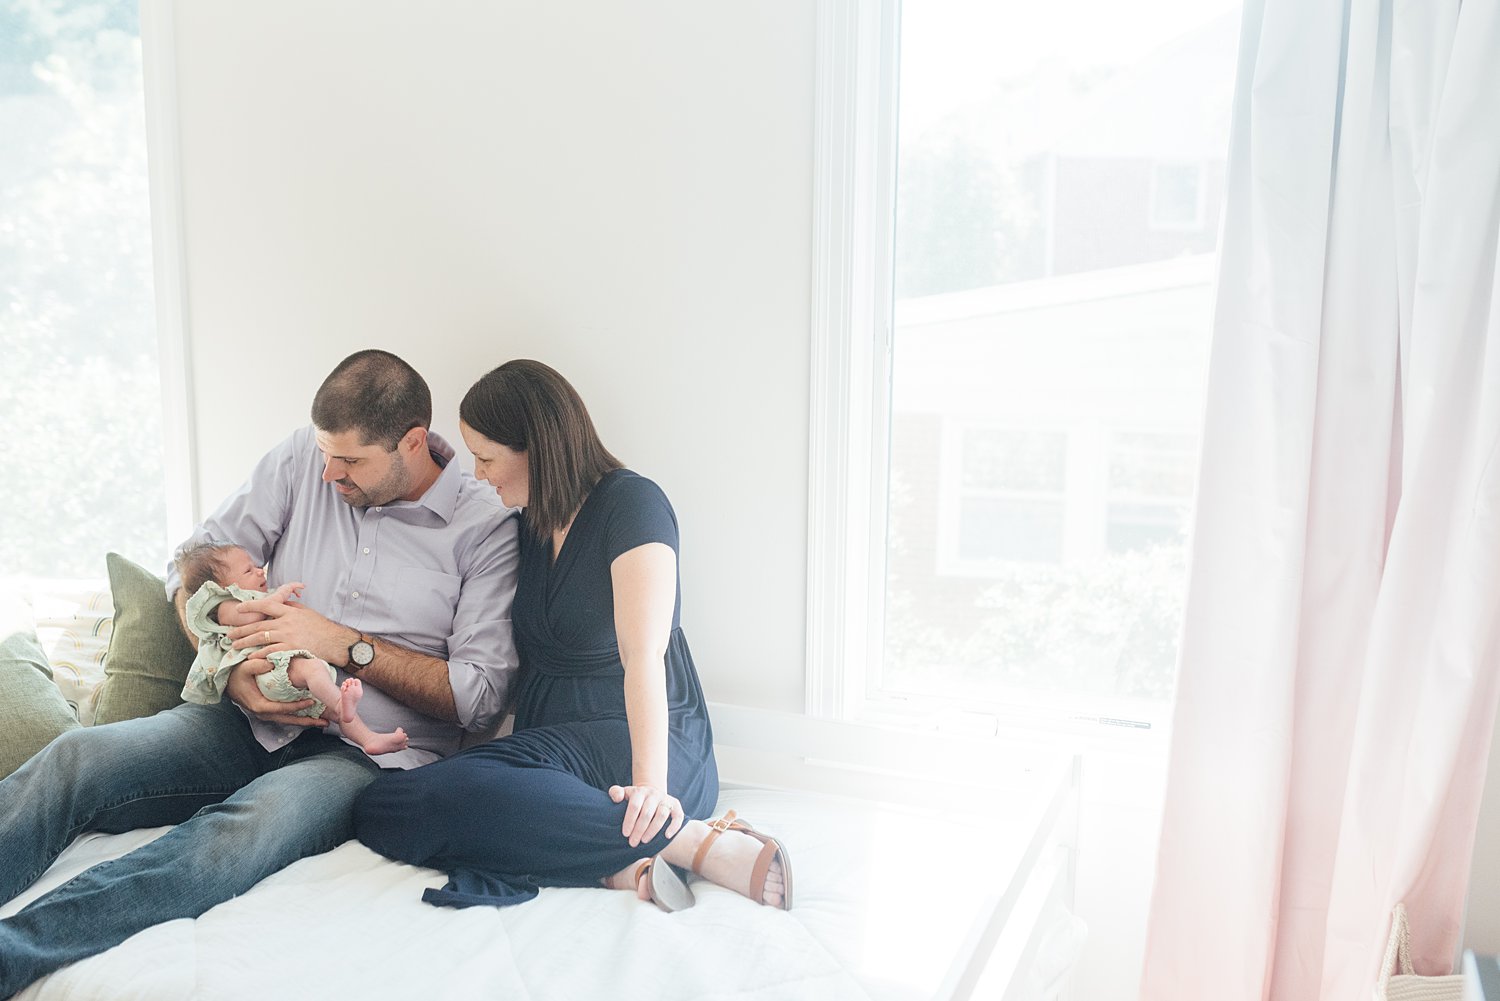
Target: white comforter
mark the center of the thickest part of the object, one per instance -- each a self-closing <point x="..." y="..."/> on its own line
<point x="875" y="918"/>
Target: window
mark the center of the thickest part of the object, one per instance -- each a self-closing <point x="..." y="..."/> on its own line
<point x="81" y="401"/>
<point x="1008" y="496"/>
<point x="1150" y="490"/>
<point x="1176" y="196"/>
<point x="1017" y="229"/>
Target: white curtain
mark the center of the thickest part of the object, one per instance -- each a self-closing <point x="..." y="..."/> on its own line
<point x="1341" y="650"/>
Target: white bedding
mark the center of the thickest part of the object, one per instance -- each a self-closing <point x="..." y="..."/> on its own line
<point x="883" y="898"/>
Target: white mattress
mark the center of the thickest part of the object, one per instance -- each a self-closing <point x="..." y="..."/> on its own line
<point x="883" y="899"/>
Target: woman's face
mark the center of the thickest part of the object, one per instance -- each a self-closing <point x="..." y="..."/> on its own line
<point x="501" y="467"/>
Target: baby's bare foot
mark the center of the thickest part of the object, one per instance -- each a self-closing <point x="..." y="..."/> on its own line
<point x="385" y="743"/>
<point x="351" y="692"/>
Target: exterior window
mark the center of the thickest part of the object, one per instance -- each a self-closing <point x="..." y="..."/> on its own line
<point x="1012" y="501"/>
<point x="81" y="401"/>
<point x="1176" y="196"/>
<point x="1150" y="490"/>
<point x="1017" y="230"/>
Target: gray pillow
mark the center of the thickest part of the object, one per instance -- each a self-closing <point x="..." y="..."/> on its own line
<point x="32" y="708"/>
<point x="149" y="655"/>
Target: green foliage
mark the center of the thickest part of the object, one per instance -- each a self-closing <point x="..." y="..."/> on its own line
<point x="1108" y="628"/>
<point x="963" y="220"/>
<point x="93" y="39"/>
<point x="80" y="396"/>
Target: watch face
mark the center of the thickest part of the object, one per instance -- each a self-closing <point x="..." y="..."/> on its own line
<point x="361" y="653"/>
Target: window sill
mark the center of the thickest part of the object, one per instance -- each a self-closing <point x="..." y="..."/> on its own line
<point x="1066" y="722"/>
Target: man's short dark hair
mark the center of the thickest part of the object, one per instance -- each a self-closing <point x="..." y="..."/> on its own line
<point x="375" y="393"/>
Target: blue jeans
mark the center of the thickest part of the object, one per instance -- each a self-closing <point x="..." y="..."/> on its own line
<point x="241" y="813"/>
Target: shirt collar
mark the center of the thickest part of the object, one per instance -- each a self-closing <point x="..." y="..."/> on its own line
<point x="442" y="497"/>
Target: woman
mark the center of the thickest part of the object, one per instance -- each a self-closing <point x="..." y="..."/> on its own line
<point x="612" y="752"/>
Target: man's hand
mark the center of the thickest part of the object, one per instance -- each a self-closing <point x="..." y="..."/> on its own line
<point x="291" y="626"/>
<point x="246" y="694"/>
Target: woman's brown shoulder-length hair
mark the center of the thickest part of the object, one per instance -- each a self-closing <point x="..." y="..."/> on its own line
<point x="527" y="406"/>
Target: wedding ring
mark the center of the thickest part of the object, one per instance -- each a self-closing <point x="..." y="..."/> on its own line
<point x="267" y="635"/>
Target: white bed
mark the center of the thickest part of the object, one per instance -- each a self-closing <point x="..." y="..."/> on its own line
<point x="893" y="900"/>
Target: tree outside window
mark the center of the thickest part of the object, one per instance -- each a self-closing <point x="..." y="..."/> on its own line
<point x="81" y="397"/>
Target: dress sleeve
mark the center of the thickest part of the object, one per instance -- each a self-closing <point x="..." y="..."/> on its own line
<point x="639" y="513"/>
<point x="200" y="608"/>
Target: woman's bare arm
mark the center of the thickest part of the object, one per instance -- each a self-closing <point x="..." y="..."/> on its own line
<point x="645" y="589"/>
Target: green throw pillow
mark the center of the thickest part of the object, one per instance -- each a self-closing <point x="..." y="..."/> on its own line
<point x="148" y="655"/>
<point x="32" y="708"/>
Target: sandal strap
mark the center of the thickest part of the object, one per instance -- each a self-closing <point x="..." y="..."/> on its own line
<point x="716" y="828"/>
<point x="768" y="852"/>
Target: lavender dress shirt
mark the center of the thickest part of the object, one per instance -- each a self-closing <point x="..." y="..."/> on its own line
<point x="436" y="575"/>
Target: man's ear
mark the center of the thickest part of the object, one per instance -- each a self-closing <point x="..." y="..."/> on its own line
<point x="413" y="441"/>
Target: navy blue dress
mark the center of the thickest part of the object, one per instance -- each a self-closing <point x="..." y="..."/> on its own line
<point x="531" y="809"/>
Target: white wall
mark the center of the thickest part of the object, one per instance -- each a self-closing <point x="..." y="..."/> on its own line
<point x="620" y="190"/>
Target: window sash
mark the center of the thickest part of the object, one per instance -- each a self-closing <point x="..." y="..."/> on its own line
<point x="851" y="354"/>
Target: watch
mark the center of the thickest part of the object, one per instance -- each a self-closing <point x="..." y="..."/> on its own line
<point x="361" y="652"/>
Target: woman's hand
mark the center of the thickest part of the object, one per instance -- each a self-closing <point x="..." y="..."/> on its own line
<point x="649" y="809"/>
<point x="245" y="693"/>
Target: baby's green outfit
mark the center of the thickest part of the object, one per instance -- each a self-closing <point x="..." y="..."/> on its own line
<point x="209" y="674"/>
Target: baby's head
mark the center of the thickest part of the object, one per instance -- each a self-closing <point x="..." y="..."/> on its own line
<point x="221" y="563"/>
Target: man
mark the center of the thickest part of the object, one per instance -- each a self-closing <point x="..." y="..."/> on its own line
<point x="410" y="570"/>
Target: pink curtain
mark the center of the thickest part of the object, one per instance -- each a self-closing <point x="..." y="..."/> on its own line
<point x="1341" y="650"/>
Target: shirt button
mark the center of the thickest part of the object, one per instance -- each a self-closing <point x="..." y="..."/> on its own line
<point x="354" y="595"/>
<point x="367" y="550"/>
<point x="380" y="509"/>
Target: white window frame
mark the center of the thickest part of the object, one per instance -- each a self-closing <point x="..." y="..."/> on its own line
<point x="169" y="265"/>
<point x="854" y="161"/>
<point x="854" y="175"/>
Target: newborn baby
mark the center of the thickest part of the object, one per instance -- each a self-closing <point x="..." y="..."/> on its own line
<point x="221" y="578"/>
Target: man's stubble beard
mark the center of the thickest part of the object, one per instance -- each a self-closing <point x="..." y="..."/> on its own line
<point x="395" y="486"/>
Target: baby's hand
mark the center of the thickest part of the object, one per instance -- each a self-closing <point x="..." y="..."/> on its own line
<point x="230" y="612"/>
<point x="286" y="592"/>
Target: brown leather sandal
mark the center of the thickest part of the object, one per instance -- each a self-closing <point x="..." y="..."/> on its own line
<point x="665" y="888"/>
<point x="772" y="850"/>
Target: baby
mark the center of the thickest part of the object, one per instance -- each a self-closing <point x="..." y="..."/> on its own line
<point x="220" y="578"/>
